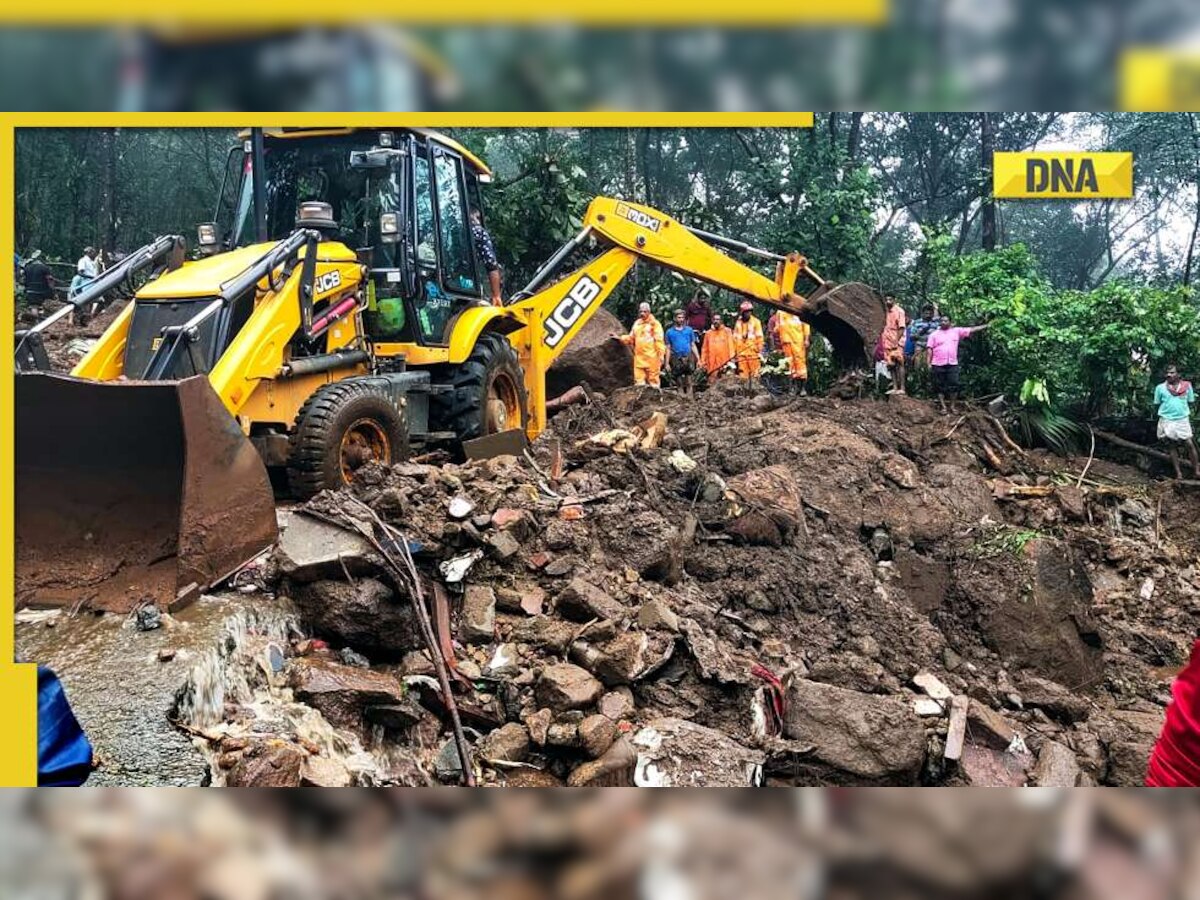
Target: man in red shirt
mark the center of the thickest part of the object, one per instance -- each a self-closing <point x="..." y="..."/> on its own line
<point x="1175" y="761"/>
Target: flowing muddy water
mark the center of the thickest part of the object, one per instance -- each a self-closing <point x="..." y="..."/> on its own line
<point x="122" y="692"/>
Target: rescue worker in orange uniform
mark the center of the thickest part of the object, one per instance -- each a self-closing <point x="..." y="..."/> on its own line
<point x="747" y="344"/>
<point x="717" y="352"/>
<point x="794" y="338"/>
<point x="649" y="347"/>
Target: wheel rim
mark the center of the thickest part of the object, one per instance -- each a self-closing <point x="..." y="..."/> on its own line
<point x="364" y="441"/>
<point x="502" y="408"/>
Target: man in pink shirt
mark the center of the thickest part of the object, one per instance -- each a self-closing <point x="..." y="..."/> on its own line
<point x="943" y="357"/>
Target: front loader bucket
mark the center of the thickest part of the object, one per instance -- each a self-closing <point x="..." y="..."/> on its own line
<point x="851" y="317"/>
<point x="131" y="492"/>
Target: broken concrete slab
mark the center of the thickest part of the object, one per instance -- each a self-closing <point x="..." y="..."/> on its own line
<point x="342" y="693"/>
<point x="932" y="685"/>
<point x="956" y="732"/>
<point x="583" y="601"/>
<point x="310" y="549"/>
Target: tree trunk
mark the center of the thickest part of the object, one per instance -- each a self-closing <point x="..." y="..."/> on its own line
<point x="987" y="146"/>
<point x="107" y="230"/>
<point x="1191" y="251"/>
<point x="855" y="138"/>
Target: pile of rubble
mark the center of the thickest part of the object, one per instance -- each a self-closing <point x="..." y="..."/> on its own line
<point x="742" y="591"/>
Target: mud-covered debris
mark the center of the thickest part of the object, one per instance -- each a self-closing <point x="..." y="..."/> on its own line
<point x="582" y="601"/>
<point x="988" y="725"/>
<point x="364" y="614"/>
<point x="614" y="769"/>
<point x="674" y="752"/>
<point x="655" y="614"/>
<point x="596" y="735"/>
<point x="617" y="704"/>
<point x="856" y="738"/>
<point x="615" y="662"/>
<point x="1056" y="700"/>
<point x="342" y="693"/>
<point x="266" y="763"/>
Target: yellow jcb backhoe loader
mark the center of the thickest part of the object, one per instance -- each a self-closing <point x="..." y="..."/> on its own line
<point x="309" y="343"/>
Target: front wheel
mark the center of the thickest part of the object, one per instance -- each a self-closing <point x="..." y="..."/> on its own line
<point x="342" y="427"/>
<point x="488" y="391"/>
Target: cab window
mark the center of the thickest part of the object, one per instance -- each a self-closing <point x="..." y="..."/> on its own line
<point x="458" y="258"/>
<point x="423" y="215"/>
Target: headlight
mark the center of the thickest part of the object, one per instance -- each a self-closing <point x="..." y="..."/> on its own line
<point x="386" y="139"/>
<point x="389" y="224"/>
<point x="206" y="234"/>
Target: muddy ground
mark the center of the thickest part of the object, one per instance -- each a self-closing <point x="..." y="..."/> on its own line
<point x="736" y="590"/>
<point x="818" y="591"/>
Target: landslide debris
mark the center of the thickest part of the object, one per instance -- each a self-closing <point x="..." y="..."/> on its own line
<point x="741" y="591"/>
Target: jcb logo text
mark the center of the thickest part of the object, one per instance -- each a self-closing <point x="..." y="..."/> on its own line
<point x="583" y="294"/>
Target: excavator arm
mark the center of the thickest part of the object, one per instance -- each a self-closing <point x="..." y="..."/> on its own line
<point x="851" y="316"/>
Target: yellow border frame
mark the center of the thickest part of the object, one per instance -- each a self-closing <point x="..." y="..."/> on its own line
<point x="18" y="748"/>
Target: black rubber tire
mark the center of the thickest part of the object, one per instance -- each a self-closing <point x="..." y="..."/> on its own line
<point x="314" y="463"/>
<point x="463" y="410"/>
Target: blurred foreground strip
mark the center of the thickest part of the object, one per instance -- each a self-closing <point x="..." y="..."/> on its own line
<point x="809" y="843"/>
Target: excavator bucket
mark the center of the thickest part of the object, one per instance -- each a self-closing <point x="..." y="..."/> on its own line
<point x="850" y="316"/>
<point x="130" y="493"/>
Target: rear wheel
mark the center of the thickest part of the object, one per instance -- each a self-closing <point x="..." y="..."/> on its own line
<point x="342" y="427"/>
<point x="488" y="394"/>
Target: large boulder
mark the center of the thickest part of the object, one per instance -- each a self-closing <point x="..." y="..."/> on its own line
<point x="765" y="506"/>
<point x="365" y="615"/>
<point x="310" y="549"/>
<point x="856" y="738"/>
<point x="593" y="356"/>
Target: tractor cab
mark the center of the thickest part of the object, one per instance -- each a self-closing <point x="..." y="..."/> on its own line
<point x="400" y="199"/>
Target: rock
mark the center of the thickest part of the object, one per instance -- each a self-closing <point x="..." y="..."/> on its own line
<point x="1136" y="513"/>
<point x="477" y="619"/>
<point x="447" y="766"/>
<point x="523" y="597"/>
<point x="614" y="769"/>
<point x="985" y="766"/>
<point x="504" y="662"/>
<point x="932" y="685"/>
<point x="392" y="504"/>
<point x="951" y="660"/>
<point x="351" y="658"/>
<point x="147" y="618"/>
<point x="552" y="634"/>
<point x="342" y="693"/>
<point x="166" y="654"/>
<point x="538" y="724"/>
<point x="503" y="544"/>
<point x="1057" y="701"/>
<point x="268" y="763"/>
<point x="365" y="615"/>
<point x="563" y="734"/>
<point x="617" y="704"/>
<point x="322" y="771"/>
<point x="559" y="566"/>
<point x="310" y="549"/>
<point x="593" y="357"/>
<point x="927" y="706"/>
<point x="395" y="716"/>
<point x="674" y="752"/>
<point x="655" y="614"/>
<point x="565" y="686"/>
<point x="681" y="462"/>
<point x="712" y="488"/>
<point x="615" y="662"/>
<point x="582" y="601"/>
<point x="856" y="738"/>
<point x="989" y="725"/>
<point x="766" y="507"/>
<point x="596" y="735"/>
<point x="899" y="470"/>
<point x="460" y="507"/>
<point x="417" y="663"/>
<point x="517" y="521"/>
<point x="560" y="534"/>
<point x="508" y="743"/>
<point x="956" y="729"/>
<point x="1056" y="766"/>
<point x="1071" y="501"/>
<point x="1128" y="736"/>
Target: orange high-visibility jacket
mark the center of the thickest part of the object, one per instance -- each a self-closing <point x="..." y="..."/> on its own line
<point x="747" y="338"/>
<point x="717" y="350"/>
<point x="646" y="338"/>
<point x="792" y="329"/>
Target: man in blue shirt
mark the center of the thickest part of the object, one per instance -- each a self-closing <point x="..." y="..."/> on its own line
<point x="681" y="352"/>
<point x="1174" y="398"/>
